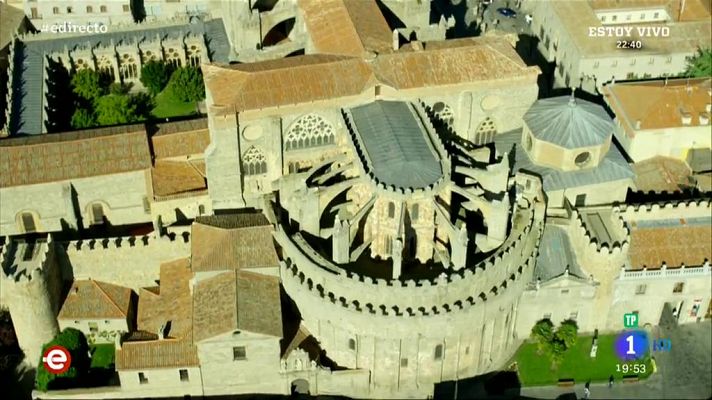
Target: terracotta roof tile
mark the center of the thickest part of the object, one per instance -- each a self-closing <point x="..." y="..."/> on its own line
<point x="173" y="177"/>
<point x="331" y="28"/>
<point x="258" y="303"/>
<point x="181" y="138"/>
<point x="657" y="104"/>
<point x="156" y="354"/>
<point x="62" y="156"/>
<point x="674" y="245"/>
<point x="173" y="303"/>
<point x="215" y="249"/>
<point x="215" y="306"/>
<point x="662" y="174"/>
<point x="88" y="299"/>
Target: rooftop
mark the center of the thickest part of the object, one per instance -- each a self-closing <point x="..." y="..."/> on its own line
<point x="11" y="18"/>
<point x="245" y="246"/>
<point x="396" y="144"/>
<point x="81" y="154"/>
<point x="662" y="174"/>
<point x="659" y="104"/>
<point x="89" y="299"/>
<point x="181" y="138"/>
<point x="569" y="122"/>
<point x="612" y="167"/>
<point x="555" y="255"/>
<point x="174" y="177"/>
<point x="673" y="242"/>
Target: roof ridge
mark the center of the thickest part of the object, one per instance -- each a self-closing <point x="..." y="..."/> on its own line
<point x="107" y="295"/>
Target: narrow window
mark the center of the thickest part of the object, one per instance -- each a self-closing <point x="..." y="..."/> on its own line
<point x="391" y="210"/>
<point x="352" y="344"/>
<point x="102" y="9"/>
<point x="656" y="15"/>
<point x="28" y="223"/>
<point x="126" y="8"/>
<point x="678" y="287"/>
<point x="404" y="363"/>
<point x="142" y="379"/>
<point x="69" y="10"/>
<point x="97" y="214"/>
<point x="55" y="10"/>
<point x="414" y="212"/>
<point x="90" y="9"/>
<point x="183" y="375"/>
<point x="239" y="353"/>
<point x="439" y="352"/>
<point x="640" y="289"/>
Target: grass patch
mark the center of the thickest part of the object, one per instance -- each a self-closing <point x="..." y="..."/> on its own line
<point x="535" y="369"/>
<point x="102" y="356"/>
<point x="167" y="106"/>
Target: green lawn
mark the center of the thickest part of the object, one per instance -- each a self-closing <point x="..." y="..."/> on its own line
<point x="102" y="356"/>
<point x="167" y="106"/>
<point x="535" y="369"/>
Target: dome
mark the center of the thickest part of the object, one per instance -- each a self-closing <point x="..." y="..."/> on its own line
<point x="569" y="122"/>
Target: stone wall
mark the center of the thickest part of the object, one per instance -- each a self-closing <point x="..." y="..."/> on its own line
<point x="131" y="261"/>
<point x="670" y="210"/>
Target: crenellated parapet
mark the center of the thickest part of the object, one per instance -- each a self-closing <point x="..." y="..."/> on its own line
<point x="461" y="289"/>
<point x="124" y="242"/>
<point x="617" y="224"/>
<point x="697" y="208"/>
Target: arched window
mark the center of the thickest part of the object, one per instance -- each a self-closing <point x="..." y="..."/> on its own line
<point x="444" y="113"/>
<point x="391" y="210"/>
<point x="254" y="162"/>
<point x="414" y="212"/>
<point x="485" y="132"/>
<point x="55" y="10"/>
<point x="528" y="143"/>
<point x="28" y="222"/>
<point x="97" y="214"/>
<point x="90" y="9"/>
<point x="438" y="352"/>
<point x="102" y="9"/>
<point x="352" y="344"/>
<point x="310" y="130"/>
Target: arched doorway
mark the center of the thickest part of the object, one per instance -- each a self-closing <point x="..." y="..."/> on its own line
<point x="300" y="387"/>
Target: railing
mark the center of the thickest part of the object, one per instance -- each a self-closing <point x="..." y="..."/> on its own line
<point x="665" y="272"/>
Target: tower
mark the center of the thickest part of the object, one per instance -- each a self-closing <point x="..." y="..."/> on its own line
<point x="31" y="280"/>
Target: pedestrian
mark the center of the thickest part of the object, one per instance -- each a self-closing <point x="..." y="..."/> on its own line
<point x="586" y="392"/>
<point x="610" y="381"/>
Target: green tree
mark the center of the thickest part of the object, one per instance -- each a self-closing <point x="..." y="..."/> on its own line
<point x="116" y="109"/>
<point x="557" y="349"/>
<point x="89" y="84"/>
<point x="74" y="341"/>
<point x="567" y="333"/>
<point x="83" y="118"/>
<point x="543" y="333"/>
<point x="700" y="65"/>
<point x="186" y="84"/>
<point x="155" y="76"/>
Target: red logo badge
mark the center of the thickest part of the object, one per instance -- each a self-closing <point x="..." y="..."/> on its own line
<point x="57" y="359"/>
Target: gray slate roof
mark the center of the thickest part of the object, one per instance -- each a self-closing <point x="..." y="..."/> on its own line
<point x="397" y="145"/>
<point x="27" y="102"/>
<point x="569" y="123"/>
<point x="555" y="255"/>
<point x="613" y="167"/>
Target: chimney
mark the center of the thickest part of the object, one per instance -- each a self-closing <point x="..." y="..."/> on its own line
<point x="704" y="118"/>
<point x="686" y="118"/>
<point x="396" y="40"/>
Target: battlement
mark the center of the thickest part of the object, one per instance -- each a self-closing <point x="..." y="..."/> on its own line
<point x="616" y="248"/>
<point x="667" y="210"/>
<point x="458" y="290"/>
<point x="24" y="262"/>
<point x="123" y="242"/>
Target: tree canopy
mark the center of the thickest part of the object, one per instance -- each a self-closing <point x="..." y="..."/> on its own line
<point x="116" y="109"/>
<point x="74" y="341"/>
<point x="567" y="333"/>
<point x="700" y="65"/>
<point x="542" y="333"/>
<point x="89" y="84"/>
<point x="83" y="118"/>
<point x="186" y="84"/>
<point x="155" y="76"/>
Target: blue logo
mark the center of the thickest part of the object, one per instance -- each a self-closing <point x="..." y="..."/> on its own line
<point x="631" y="345"/>
<point x="662" y="345"/>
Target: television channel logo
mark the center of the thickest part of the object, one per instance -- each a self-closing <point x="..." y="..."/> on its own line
<point x="631" y="345"/>
<point x="662" y="345"/>
<point x="57" y="360"/>
<point x="630" y="320"/>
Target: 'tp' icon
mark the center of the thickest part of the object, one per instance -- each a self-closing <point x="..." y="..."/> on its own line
<point x="56" y="360"/>
<point x="630" y="320"/>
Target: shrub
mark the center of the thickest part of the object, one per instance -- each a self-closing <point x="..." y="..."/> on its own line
<point x="89" y="84"/>
<point x="115" y="109"/>
<point x="155" y="76"/>
<point x="186" y="84"/>
<point x="543" y="333"/>
<point x="83" y="118"/>
<point x="74" y="341"/>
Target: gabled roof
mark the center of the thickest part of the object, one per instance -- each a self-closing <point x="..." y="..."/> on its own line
<point x="156" y="354"/>
<point x="237" y="300"/>
<point x="181" y="138"/>
<point x="174" y="177"/>
<point x="82" y="154"/>
<point x="568" y="122"/>
<point x="89" y="299"/>
<point x="215" y="249"/>
<point x="555" y="255"/>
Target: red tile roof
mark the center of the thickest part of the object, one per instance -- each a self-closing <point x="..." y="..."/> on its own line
<point x="89" y="299"/>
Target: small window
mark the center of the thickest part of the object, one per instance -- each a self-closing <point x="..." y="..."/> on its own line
<point x="642" y="17"/>
<point x="656" y="15"/>
<point x="614" y="18"/>
<point x="34" y="14"/>
<point x="414" y="212"/>
<point x="439" y="352"/>
<point x="127" y="8"/>
<point x="28" y="222"/>
<point x="183" y="375"/>
<point x="668" y="60"/>
<point x="97" y="214"/>
<point x="391" y="210"/>
<point x="93" y="327"/>
<point x="467" y="350"/>
<point x="69" y="10"/>
<point x="678" y="287"/>
<point x="106" y="322"/>
<point x="628" y="17"/>
<point x="573" y="316"/>
<point x="55" y="10"/>
<point x="404" y="363"/>
<point x="651" y="61"/>
<point x="640" y="289"/>
<point x="547" y="316"/>
<point x="582" y="159"/>
<point x="142" y="379"/>
<point x="90" y="9"/>
<point x="352" y="344"/>
<point x="102" y="9"/>
<point x="603" y="18"/>
<point x="76" y="322"/>
<point x="564" y="291"/>
<point x="239" y="353"/>
<point x="596" y="64"/>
